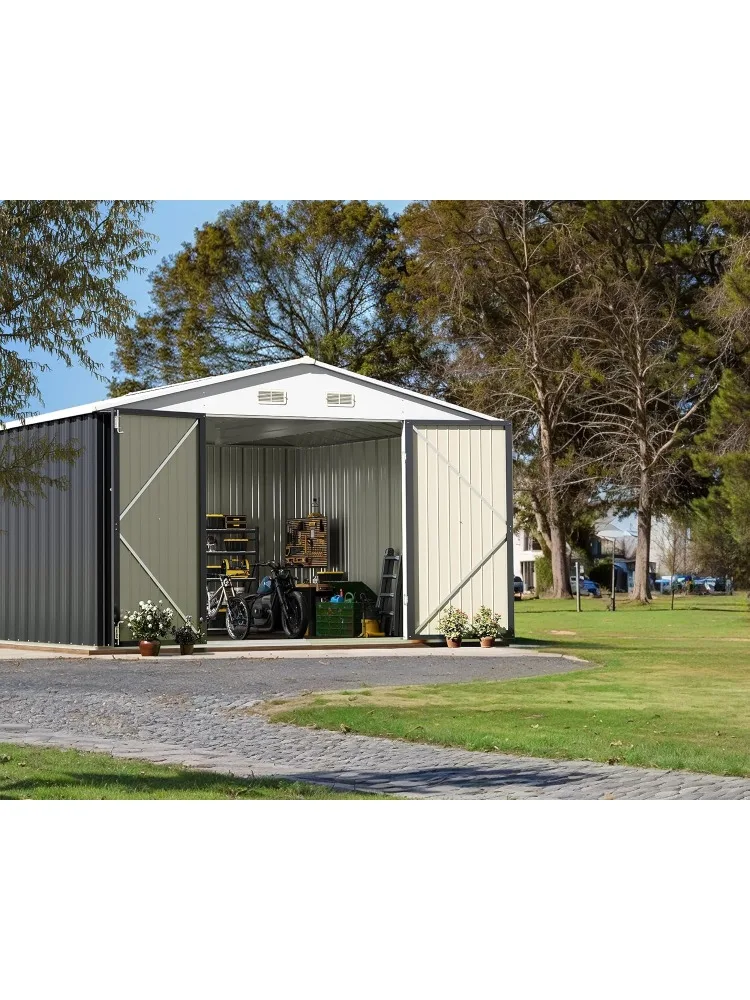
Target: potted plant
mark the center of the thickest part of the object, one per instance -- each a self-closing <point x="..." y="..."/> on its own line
<point x="486" y="626"/>
<point x="187" y="635"/>
<point x="454" y="625"/>
<point x="149" y="624"/>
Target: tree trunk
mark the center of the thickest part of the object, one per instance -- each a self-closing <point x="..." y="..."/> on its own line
<point x="559" y="560"/>
<point x="557" y="546"/>
<point x="641" y="584"/>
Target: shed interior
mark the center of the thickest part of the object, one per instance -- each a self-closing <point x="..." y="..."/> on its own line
<point x="272" y="470"/>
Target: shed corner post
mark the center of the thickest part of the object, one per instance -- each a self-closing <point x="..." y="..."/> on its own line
<point x="407" y="515"/>
<point x="202" y="509"/>
<point x="509" y="519"/>
<point x="115" y="432"/>
<point x="107" y="516"/>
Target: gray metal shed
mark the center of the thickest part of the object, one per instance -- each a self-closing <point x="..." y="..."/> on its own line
<point x="390" y="467"/>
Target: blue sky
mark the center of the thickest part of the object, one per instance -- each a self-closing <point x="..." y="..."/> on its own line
<point x="173" y="223"/>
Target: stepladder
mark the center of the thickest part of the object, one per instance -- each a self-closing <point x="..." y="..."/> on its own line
<point x="389" y="596"/>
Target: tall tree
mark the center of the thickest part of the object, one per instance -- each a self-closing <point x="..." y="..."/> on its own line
<point x="655" y="366"/>
<point x="496" y="280"/>
<point x="61" y="263"/>
<point x="722" y="519"/>
<point x="264" y="284"/>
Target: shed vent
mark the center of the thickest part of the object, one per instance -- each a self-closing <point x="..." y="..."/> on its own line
<point x="272" y="397"/>
<point x="340" y="398"/>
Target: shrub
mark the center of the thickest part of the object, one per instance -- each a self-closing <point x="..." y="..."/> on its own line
<point x="188" y="634"/>
<point x="453" y="623"/>
<point x="543" y="571"/>
<point x="150" y="622"/>
<point x="601" y="573"/>
<point x="486" y="623"/>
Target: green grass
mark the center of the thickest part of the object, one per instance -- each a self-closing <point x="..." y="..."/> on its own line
<point x="672" y="691"/>
<point x="34" y="773"/>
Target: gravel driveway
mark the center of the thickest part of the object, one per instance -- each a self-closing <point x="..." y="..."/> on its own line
<point x="193" y="711"/>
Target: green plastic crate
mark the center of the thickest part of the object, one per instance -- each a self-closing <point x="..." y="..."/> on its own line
<point x="338" y="620"/>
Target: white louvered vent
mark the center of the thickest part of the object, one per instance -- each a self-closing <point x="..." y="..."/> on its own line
<point x="272" y="397"/>
<point x="340" y="398"/>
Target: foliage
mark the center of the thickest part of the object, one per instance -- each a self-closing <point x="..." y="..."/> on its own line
<point x="27" y="465"/>
<point x="61" y="266"/>
<point x="654" y="363"/>
<point x="601" y="573"/>
<point x="667" y="692"/>
<point x="486" y="623"/>
<point x="453" y="623"/>
<point x="265" y="284"/>
<point x="189" y="634"/>
<point x="543" y="573"/>
<point x="584" y="322"/>
<point x="721" y="531"/>
<point x="495" y="280"/>
<point x="149" y="622"/>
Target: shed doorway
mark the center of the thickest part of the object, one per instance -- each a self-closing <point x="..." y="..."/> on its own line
<point x="264" y="476"/>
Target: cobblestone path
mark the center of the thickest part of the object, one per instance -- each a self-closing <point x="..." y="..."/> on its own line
<point x="55" y="703"/>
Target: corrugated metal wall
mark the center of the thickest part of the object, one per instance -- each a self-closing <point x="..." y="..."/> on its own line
<point x="162" y="526"/>
<point x="358" y="486"/>
<point x="460" y="551"/>
<point x="50" y="553"/>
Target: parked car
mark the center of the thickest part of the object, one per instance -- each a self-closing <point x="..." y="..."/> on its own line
<point x="517" y="587"/>
<point x="588" y="587"/>
<point x="714" y="585"/>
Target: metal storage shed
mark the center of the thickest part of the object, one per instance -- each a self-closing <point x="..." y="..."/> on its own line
<point x="390" y="467"/>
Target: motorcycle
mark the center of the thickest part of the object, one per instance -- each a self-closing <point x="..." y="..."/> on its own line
<point x="276" y="603"/>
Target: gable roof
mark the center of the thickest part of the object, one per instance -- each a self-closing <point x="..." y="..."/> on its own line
<point x="225" y="381"/>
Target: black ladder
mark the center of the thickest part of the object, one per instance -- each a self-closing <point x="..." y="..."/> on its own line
<point x="388" y="605"/>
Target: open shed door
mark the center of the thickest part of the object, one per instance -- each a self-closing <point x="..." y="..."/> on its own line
<point x="161" y="512"/>
<point x="459" y="521"/>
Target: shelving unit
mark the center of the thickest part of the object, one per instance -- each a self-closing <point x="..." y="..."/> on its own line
<point x="234" y="554"/>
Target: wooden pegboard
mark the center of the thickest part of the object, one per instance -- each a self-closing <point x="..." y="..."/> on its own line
<point x="307" y="541"/>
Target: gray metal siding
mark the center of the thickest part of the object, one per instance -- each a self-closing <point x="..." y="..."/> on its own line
<point x="358" y="486"/>
<point x="162" y="527"/>
<point x="50" y="553"/>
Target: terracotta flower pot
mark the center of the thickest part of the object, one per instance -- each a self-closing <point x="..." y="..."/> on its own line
<point x="452" y="643"/>
<point x="186" y="648"/>
<point x="148" y="648"/>
<point x="486" y="641"/>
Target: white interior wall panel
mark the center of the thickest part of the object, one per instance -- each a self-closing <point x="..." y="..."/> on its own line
<point x="358" y="487"/>
<point x="461" y="543"/>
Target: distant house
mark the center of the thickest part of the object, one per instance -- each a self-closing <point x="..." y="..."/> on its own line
<point x="526" y="549"/>
<point x="625" y="546"/>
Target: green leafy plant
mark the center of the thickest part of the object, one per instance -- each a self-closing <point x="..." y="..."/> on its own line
<point x="486" y="623"/>
<point x="453" y="623"/>
<point x="188" y="634"/>
<point x="150" y="622"/>
<point x="543" y="570"/>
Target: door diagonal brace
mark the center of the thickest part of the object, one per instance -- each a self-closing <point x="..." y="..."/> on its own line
<point x="457" y="472"/>
<point x="472" y="572"/>
<point x="153" y="476"/>
<point x="148" y="572"/>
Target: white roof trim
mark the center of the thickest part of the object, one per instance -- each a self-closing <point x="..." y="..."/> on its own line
<point x="168" y="390"/>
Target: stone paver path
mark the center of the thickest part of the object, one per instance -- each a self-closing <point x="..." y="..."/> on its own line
<point x="201" y="718"/>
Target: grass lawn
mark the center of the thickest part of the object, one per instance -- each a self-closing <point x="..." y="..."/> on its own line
<point x="35" y="773"/>
<point x="672" y="691"/>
